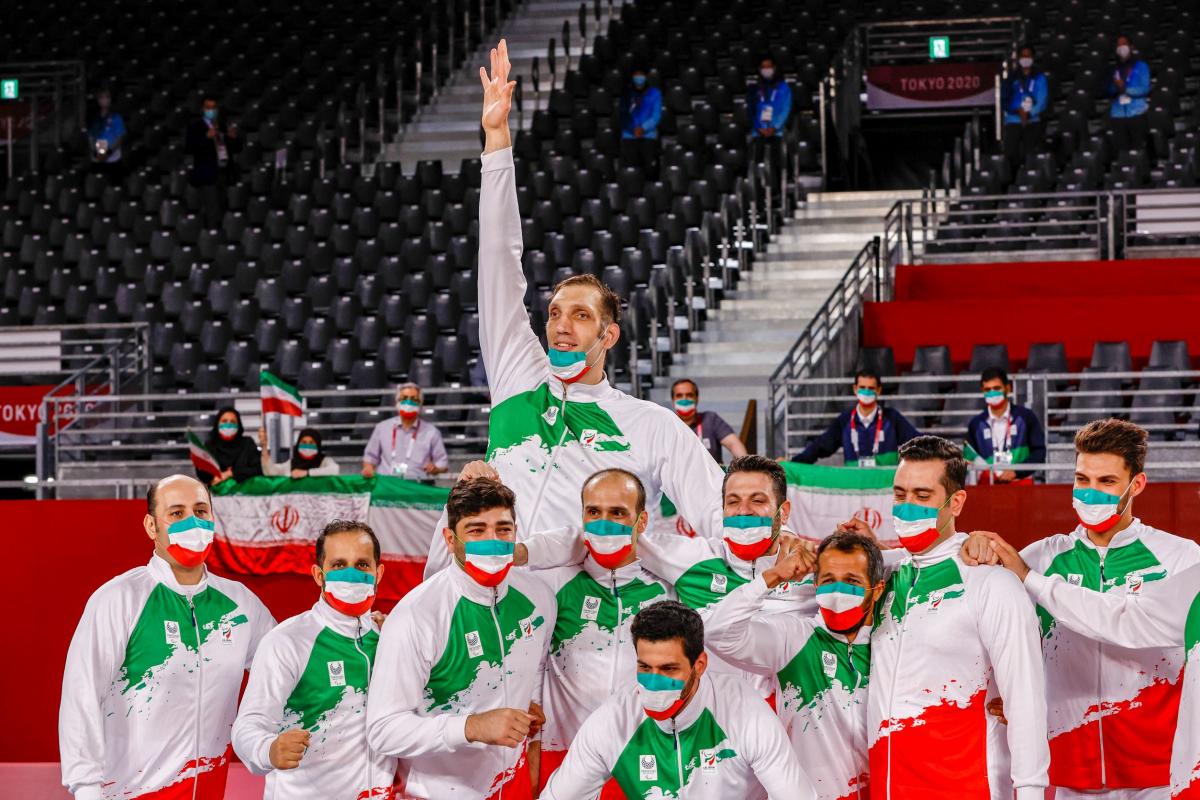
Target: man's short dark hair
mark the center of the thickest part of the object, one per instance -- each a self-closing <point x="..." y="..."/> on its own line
<point x="870" y="375"/>
<point x="686" y="380"/>
<point x="640" y="503"/>
<point x="756" y="463"/>
<point x="346" y="526"/>
<point x="610" y="301"/>
<point x="850" y="542"/>
<point x="991" y="373"/>
<point x="1115" y="436"/>
<point x="935" y="448"/>
<point x="475" y="496"/>
<point x="667" y="620"/>
<point x="1032" y="50"/>
<point x="152" y="493"/>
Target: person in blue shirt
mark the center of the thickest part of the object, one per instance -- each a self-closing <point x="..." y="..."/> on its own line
<point x="1026" y="93"/>
<point x="641" y="110"/>
<point x="868" y="435"/>
<point x="1129" y="86"/>
<point x="1004" y="432"/>
<point x="106" y="134"/>
<point x="768" y="106"/>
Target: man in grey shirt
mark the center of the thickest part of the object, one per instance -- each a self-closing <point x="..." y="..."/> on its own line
<point x="405" y="445"/>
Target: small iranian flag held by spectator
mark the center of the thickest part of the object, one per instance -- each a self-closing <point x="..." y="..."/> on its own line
<point x="279" y="397"/>
<point x="201" y="458"/>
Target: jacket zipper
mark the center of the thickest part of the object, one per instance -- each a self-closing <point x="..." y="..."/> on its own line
<point x="612" y="683"/>
<point x="366" y="660"/>
<point x="678" y="752"/>
<point x="857" y="684"/>
<point x="503" y="658"/>
<point x="1100" y="690"/>
<point x="896" y="676"/>
<point x="199" y="696"/>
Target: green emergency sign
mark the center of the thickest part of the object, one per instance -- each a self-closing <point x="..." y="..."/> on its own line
<point x="9" y="88"/>
<point x="939" y="46"/>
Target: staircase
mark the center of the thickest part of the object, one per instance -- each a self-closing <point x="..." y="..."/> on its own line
<point x="747" y="337"/>
<point x="447" y="128"/>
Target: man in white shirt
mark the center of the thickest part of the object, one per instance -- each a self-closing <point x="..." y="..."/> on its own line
<point x="406" y="446"/>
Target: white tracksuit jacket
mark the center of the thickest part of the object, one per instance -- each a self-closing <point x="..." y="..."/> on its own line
<point x="598" y="426"/>
<point x="144" y="713"/>
<point x="591" y="650"/>
<point x="947" y="639"/>
<point x="449" y="649"/>
<point x="1161" y="614"/>
<point x="313" y="672"/>
<point x="720" y="746"/>
<point x="822" y="678"/>
<point x="1108" y="706"/>
<point x="703" y="572"/>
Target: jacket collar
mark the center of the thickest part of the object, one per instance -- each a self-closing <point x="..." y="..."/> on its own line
<point x="747" y="569"/>
<point x="604" y="577"/>
<point x="471" y="590"/>
<point x="582" y="392"/>
<point x="702" y="699"/>
<point x="935" y="555"/>
<point x="1128" y="536"/>
<point x="161" y="571"/>
<point x="338" y="622"/>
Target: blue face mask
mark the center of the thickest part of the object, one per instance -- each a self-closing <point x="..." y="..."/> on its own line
<point x="210" y="114"/>
<point x="639" y="81"/>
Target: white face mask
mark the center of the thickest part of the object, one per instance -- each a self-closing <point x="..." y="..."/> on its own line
<point x="1123" y="52"/>
<point x="1025" y="63"/>
<point x="767" y="73"/>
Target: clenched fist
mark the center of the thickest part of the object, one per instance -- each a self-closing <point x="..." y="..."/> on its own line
<point x="288" y="748"/>
<point x="506" y="727"/>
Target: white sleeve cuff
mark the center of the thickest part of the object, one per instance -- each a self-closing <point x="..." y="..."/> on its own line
<point x="1031" y="792"/>
<point x="760" y="586"/>
<point x="1038" y="585"/>
<point x="500" y="159"/>
<point x="454" y="734"/>
<point x="89" y="791"/>
<point x="263" y="757"/>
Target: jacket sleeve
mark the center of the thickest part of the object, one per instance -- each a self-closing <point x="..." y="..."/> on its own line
<point x="1008" y="628"/>
<point x="93" y="659"/>
<point x="438" y="558"/>
<point x="373" y="454"/>
<point x="276" y="469"/>
<point x="905" y="430"/>
<point x="669" y="555"/>
<point x="437" y="452"/>
<point x="249" y="461"/>
<point x="193" y="138"/>
<point x="1154" y="617"/>
<point x="1041" y="95"/>
<point x="771" y="756"/>
<point x="783" y="106"/>
<point x="328" y="467"/>
<point x="512" y="354"/>
<point x="556" y="548"/>
<point x="263" y="622"/>
<point x="259" y="721"/>
<point x="403" y="661"/>
<point x="737" y="631"/>
<point x="1037" y="442"/>
<point x="653" y="113"/>
<point x="588" y="764"/>
<point x="824" y="445"/>
<point x="1138" y="84"/>
<point x="689" y="476"/>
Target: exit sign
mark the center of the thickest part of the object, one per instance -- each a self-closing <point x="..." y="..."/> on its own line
<point x="939" y="46"/>
<point x="9" y="89"/>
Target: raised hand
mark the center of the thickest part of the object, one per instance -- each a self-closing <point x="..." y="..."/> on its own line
<point x="1008" y="555"/>
<point x="977" y="549"/>
<point x="497" y="100"/>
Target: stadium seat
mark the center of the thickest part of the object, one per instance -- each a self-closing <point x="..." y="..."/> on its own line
<point x="1113" y="356"/>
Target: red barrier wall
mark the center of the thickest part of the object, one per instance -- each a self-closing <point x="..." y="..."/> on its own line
<point x="59" y="552"/>
<point x="1077" y="323"/>
<point x="1034" y="279"/>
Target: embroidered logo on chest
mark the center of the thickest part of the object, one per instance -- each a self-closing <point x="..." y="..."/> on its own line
<point x="172" y="631"/>
<point x="337" y="673"/>
<point x="550" y="415"/>
<point x="526" y="628"/>
<point x="588" y="437"/>
<point x="829" y="663"/>
<point x="1134" y="583"/>
<point x="474" y="645"/>
<point x="720" y="584"/>
<point x="227" y="633"/>
<point x="708" y="760"/>
<point x="591" y="608"/>
<point x="647" y="767"/>
<point x="1075" y="579"/>
<point x="935" y="599"/>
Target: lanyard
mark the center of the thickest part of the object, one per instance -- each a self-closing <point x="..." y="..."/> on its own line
<point x="1008" y="425"/>
<point x="411" y="442"/>
<point x="878" y="433"/>
<point x="763" y="97"/>
<point x="700" y="429"/>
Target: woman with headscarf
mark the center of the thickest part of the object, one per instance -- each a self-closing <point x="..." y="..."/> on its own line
<point x="308" y="457"/>
<point x="235" y="452"/>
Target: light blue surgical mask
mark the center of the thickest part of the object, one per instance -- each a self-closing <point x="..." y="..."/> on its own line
<point x="639" y="81"/>
<point x="210" y="114"/>
<point x="307" y="450"/>
<point x="227" y="430"/>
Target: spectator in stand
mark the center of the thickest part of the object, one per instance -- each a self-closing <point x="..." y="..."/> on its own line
<point x="1025" y="100"/>
<point x="235" y="452"/>
<point x="212" y="143"/>
<point x="106" y="134"/>
<point x="404" y="445"/>
<point x="308" y="456"/>
<point x="869" y="435"/>
<point x="1004" y="433"/>
<point x="768" y="107"/>
<point x="641" y="109"/>
<point x="713" y="431"/>
<point x="1129" y="86"/>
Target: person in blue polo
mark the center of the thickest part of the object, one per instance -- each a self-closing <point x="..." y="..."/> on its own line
<point x="868" y="434"/>
<point x="1004" y="432"/>
<point x="1024" y="102"/>
<point x="1128" y="86"/>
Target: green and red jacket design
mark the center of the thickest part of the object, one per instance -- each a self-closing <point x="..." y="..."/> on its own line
<point x="725" y="743"/>
<point x="312" y="672"/>
<point x="1162" y="614"/>
<point x="591" y="651"/>
<point x="151" y="684"/>
<point x="449" y="649"/>
<point x="947" y="639"/>
<point x="1109" y="706"/>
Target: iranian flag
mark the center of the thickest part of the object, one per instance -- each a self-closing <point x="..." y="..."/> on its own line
<point x="201" y="458"/>
<point x="279" y="397"/>
<point x="270" y="525"/>
<point x="821" y="498"/>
